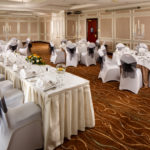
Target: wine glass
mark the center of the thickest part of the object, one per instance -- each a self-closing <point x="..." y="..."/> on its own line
<point x="60" y="70"/>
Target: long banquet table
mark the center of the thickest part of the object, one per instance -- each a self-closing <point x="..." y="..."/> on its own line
<point x="65" y="110"/>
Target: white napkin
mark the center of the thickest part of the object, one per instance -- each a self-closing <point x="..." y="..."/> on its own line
<point x="15" y="67"/>
<point x="45" y="84"/>
<point x="27" y="74"/>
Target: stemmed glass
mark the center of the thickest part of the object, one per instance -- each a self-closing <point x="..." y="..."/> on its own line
<point x="60" y="70"/>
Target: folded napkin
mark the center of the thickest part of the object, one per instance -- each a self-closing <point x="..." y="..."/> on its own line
<point x="45" y="84"/>
<point x="15" y="67"/>
<point x="27" y="74"/>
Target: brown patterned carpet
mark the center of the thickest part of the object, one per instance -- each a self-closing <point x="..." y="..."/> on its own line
<point x="122" y="118"/>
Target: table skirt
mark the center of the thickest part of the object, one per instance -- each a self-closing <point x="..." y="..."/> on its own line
<point x="64" y="112"/>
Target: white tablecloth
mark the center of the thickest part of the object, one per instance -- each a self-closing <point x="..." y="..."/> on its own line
<point x="65" y="110"/>
<point x="141" y="60"/>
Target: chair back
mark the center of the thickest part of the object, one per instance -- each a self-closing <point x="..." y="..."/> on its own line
<point x="71" y="49"/>
<point x="97" y="43"/>
<point x="13" y="44"/>
<point x="91" y="49"/>
<point x="128" y="66"/>
<point x="120" y="46"/>
<point x="51" y="46"/>
<point x="64" y="41"/>
<point x="102" y="53"/>
<point x="3" y="106"/>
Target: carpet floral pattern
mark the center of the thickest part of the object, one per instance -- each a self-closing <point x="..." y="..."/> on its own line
<point x="122" y="118"/>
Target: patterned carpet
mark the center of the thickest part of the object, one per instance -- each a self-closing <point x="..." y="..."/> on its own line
<point x="122" y="118"/>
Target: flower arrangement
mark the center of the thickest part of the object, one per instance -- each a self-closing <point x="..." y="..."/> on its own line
<point x="35" y="59"/>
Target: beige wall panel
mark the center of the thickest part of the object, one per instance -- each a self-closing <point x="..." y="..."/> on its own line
<point x="123" y="28"/>
<point x="23" y="27"/>
<point x="33" y="27"/>
<point x="122" y="11"/>
<point x="106" y="13"/>
<point x="3" y="38"/>
<point x="82" y="15"/>
<point x="106" y="27"/>
<point x="42" y="27"/>
<point x="48" y="27"/>
<point x="71" y="28"/>
<point x="48" y="38"/>
<point x="142" y="10"/>
<point x="41" y="19"/>
<point x="13" y="27"/>
<point x="82" y="28"/>
<point x="92" y="15"/>
<point x="1" y="27"/>
<point x="109" y="45"/>
<point x="42" y="37"/>
<point x="23" y="38"/>
<point x="145" y="20"/>
<point x="34" y="38"/>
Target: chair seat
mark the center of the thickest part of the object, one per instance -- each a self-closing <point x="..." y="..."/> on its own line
<point x="13" y="97"/>
<point x="110" y="73"/>
<point x="2" y="77"/>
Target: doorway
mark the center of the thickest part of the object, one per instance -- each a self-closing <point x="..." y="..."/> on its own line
<point x="92" y="30"/>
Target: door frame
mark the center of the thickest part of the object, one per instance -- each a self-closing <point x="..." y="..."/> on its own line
<point x="87" y="27"/>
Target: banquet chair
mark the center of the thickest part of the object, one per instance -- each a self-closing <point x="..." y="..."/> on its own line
<point x="58" y="57"/>
<point x="97" y="44"/>
<point x="13" y="96"/>
<point x="51" y="47"/>
<point x="88" y="57"/>
<point x="71" y="55"/>
<point x="52" y="51"/>
<point x="141" y="45"/>
<point x="19" y="45"/>
<point x="2" y="77"/>
<point x="20" y="127"/>
<point x="131" y="77"/>
<point x="109" y="71"/>
<point x="64" y="41"/>
<point x="26" y="50"/>
<point x="12" y="45"/>
<point x="120" y="46"/>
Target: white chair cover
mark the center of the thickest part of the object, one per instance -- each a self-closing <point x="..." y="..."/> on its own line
<point x="120" y="46"/>
<point x="24" y="51"/>
<point x="131" y="77"/>
<point x="58" y="56"/>
<point x="88" y="57"/>
<point x="20" y="45"/>
<point x="20" y="127"/>
<point x="11" y="45"/>
<point x="2" y="77"/>
<point x="71" y="55"/>
<point x="109" y="71"/>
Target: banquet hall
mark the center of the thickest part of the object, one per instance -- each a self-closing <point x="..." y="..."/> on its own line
<point x="75" y="75"/>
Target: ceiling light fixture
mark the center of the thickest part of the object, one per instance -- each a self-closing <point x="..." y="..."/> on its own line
<point x="119" y="9"/>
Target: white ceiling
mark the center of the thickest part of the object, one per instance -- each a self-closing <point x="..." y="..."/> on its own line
<point x="41" y="7"/>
